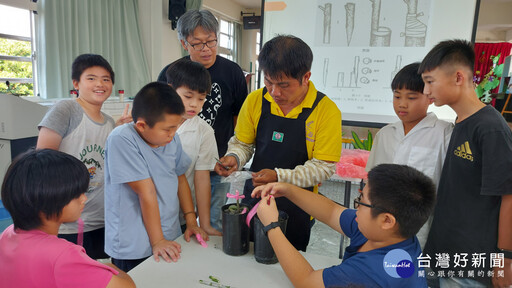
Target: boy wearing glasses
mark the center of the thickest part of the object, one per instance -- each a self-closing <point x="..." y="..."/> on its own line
<point x="198" y="34"/>
<point x="383" y="251"/>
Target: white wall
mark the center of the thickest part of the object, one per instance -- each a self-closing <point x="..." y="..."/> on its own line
<point x="226" y="8"/>
<point x="249" y="55"/>
<point x="25" y="4"/>
<point x="494" y="22"/>
<point x="161" y="43"/>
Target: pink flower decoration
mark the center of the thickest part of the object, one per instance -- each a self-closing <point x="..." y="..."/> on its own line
<point x="237" y="195"/>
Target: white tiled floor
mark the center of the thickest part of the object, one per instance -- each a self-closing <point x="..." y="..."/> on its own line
<point x="324" y="240"/>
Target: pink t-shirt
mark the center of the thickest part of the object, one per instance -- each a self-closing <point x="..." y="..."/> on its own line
<point x="36" y="259"/>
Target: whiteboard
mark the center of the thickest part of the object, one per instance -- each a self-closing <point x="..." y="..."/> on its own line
<point x="359" y="46"/>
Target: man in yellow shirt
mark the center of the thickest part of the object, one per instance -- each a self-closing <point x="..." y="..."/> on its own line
<point x="293" y="130"/>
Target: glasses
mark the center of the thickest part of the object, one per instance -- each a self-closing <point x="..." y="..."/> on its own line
<point x="200" y="46"/>
<point x="357" y="203"/>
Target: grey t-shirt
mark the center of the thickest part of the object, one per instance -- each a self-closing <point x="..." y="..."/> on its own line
<point x="85" y="139"/>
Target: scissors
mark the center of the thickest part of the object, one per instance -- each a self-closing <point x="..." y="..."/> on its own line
<point x="221" y="165"/>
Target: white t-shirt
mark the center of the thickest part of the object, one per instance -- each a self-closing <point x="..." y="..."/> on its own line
<point x="423" y="148"/>
<point x="198" y="142"/>
<point x="84" y="139"/>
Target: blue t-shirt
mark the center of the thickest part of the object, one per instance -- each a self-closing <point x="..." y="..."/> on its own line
<point x="367" y="268"/>
<point x="129" y="158"/>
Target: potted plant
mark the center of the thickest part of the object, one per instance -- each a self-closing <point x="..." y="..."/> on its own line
<point x="490" y="81"/>
<point x="235" y="234"/>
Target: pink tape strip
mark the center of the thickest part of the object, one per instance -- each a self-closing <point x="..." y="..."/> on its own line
<point x="201" y="241"/>
<point x="80" y="237"/>
<point x="251" y="214"/>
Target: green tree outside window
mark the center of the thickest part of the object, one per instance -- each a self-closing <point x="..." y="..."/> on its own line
<point x="16" y="69"/>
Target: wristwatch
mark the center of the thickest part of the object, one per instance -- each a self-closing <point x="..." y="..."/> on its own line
<point x="270" y="227"/>
<point x="506" y="253"/>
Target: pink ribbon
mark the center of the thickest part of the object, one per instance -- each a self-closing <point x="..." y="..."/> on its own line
<point x="253" y="212"/>
<point x="237" y="195"/>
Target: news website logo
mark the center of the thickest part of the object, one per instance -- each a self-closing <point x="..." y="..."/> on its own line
<point x="398" y="264"/>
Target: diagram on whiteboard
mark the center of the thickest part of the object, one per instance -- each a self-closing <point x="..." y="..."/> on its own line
<point x="360" y="45"/>
<point x="363" y="45"/>
<point x="373" y="23"/>
<point x="361" y="79"/>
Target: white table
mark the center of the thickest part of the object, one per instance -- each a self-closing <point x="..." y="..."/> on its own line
<point x="198" y="263"/>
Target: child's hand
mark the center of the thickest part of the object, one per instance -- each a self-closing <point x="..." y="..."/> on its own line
<point x="193" y="230"/>
<point x="211" y="231"/>
<point x="126" y="117"/>
<point x="276" y="189"/>
<point x="169" y="250"/>
<point x="267" y="210"/>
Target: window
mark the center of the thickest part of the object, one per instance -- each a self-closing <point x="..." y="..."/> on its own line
<point x="226" y="39"/>
<point x="256" y="64"/>
<point x="17" y="51"/>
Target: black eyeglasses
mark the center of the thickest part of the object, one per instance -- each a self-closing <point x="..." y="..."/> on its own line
<point x="200" y="46"/>
<point x="357" y="203"/>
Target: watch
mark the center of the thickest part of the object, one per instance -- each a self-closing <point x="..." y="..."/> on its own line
<point x="270" y="227"/>
<point x="506" y="253"/>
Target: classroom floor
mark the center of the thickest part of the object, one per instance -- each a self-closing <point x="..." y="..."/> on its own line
<point x="324" y="240"/>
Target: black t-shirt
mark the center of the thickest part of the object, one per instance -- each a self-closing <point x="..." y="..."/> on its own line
<point x="229" y="90"/>
<point x="476" y="172"/>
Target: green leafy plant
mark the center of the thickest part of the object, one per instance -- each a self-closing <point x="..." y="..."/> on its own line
<point x="15" y="69"/>
<point x="490" y="81"/>
<point x="365" y="144"/>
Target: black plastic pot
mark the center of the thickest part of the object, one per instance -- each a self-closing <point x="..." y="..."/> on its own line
<point x="235" y="233"/>
<point x="263" y="251"/>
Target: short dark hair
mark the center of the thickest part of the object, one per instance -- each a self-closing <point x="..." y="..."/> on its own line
<point x="408" y="78"/>
<point x="42" y="181"/>
<point x="85" y="61"/>
<point x="192" y="19"/>
<point x="403" y="191"/>
<point x="193" y="75"/>
<point x="285" y="55"/>
<point x="449" y="52"/>
<point x="154" y="100"/>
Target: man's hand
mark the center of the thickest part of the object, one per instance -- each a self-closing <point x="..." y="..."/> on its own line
<point x="226" y="166"/>
<point x="169" y="250"/>
<point x="506" y="281"/>
<point x="267" y="210"/>
<point x="263" y="177"/>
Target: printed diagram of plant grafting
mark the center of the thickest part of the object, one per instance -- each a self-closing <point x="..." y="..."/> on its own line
<point x="372" y="22"/>
<point x="366" y="43"/>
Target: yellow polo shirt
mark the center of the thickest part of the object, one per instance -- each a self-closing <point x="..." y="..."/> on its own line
<point x="323" y="126"/>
